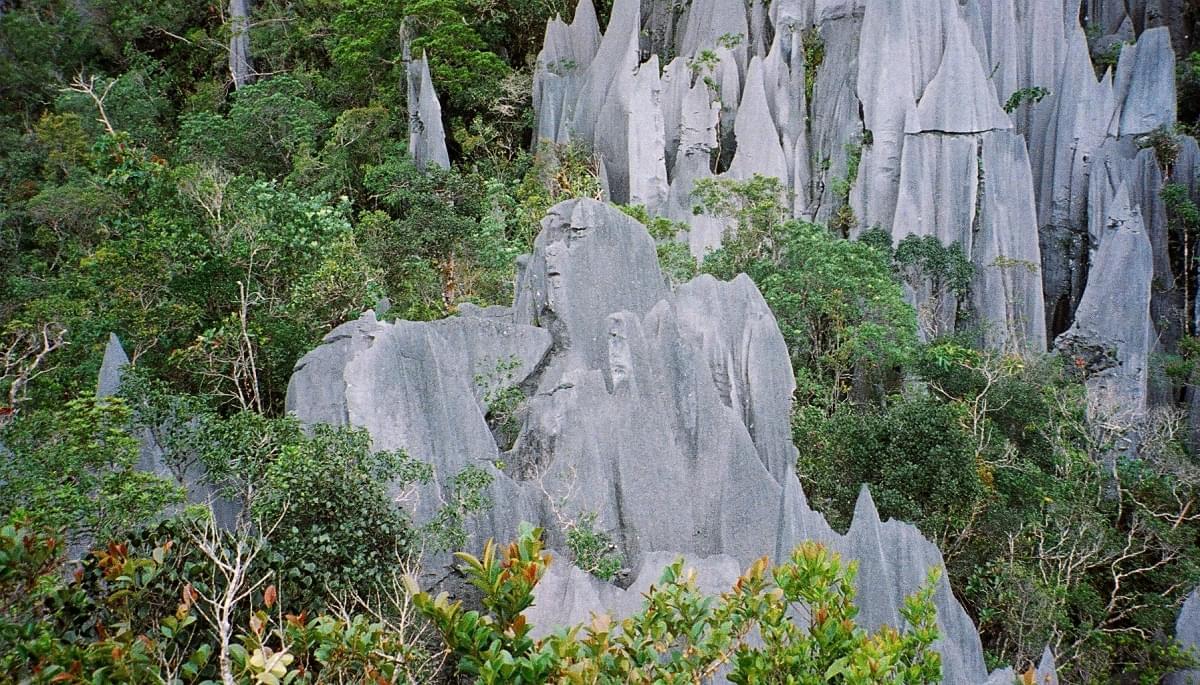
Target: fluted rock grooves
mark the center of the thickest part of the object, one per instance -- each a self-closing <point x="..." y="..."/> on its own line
<point x="982" y="122"/>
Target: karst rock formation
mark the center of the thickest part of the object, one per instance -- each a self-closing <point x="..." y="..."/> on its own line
<point x="665" y="411"/>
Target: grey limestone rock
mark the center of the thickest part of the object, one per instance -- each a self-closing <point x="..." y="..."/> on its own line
<point x="699" y="117"/>
<point x="894" y="560"/>
<point x="939" y="189"/>
<point x="959" y="98"/>
<point x="1007" y="287"/>
<point x="834" y="110"/>
<point x="647" y="169"/>
<point x="1187" y="632"/>
<point x="663" y="413"/>
<point x="567" y="52"/>
<point x="1112" y="334"/>
<point x="426" y="135"/>
<point x="1144" y="85"/>
<point x="758" y="147"/>
<point x="115" y="360"/>
<point x="1082" y="107"/>
<point x="710" y="20"/>
<point x="616" y="58"/>
<point x="734" y="330"/>
<point x="317" y="389"/>
<point x="568" y="596"/>
<point x="151" y="456"/>
<point x="241" y="69"/>
<point x="589" y="261"/>
<point x="886" y="90"/>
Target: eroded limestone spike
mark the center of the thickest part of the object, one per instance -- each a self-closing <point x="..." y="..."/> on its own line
<point x="960" y="98"/>
<point x="1187" y="632"/>
<point x="426" y="135"/>
<point x="758" y="148"/>
<point x="108" y="382"/>
<point x="1111" y="338"/>
<point x="1145" y="84"/>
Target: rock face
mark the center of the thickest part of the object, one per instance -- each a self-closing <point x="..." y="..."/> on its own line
<point x="663" y="413"/>
<point x="1111" y="338"/>
<point x="1187" y="631"/>
<point x="240" y="67"/>
<point x="151" y="457"/>
<point x="983" y="123"/>
<point x="426" y="135"/>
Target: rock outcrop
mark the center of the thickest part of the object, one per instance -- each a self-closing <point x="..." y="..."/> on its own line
<point x="426" y="134"/>
<point x="981" y="123"/>
<point x="664" y="413"/>
<point x="1111" y="338"/>
<point x="1187" y="632"/>
<point x="151" y="456"/>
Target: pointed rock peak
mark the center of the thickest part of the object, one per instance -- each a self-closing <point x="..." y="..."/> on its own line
<point x="1145" y="83"/>
<point x="1047" y="669"/>
<point x="624" y="20"/>
<point x="960" y="98"/>
<point x="758" y="147"/>
<point x="1122" y="212"/>
<point x="865" y="513"/>
<point x="426" y="135"/>
<point x="584" y="21"/>
<point x="108" y="382"/>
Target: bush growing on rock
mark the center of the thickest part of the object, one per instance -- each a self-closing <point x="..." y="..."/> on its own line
<point x="681" y="635"/>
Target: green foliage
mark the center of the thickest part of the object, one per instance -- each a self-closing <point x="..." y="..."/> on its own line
<point x="269" y="125"/>
<point x="674" y="258"/>
<point x="842" y="314"/>
<point x="592" y="549"/>
<point x="1031" y="95"/>
<point x="1165" y="143"/>
<point x="1187" y="87"/>
<point x="326" y="497"/>
<point x="913" y="453"/>
<point x="141" y="612"/>
<point x="996" y="460"/>
<point x="946" y="266"/>
<point x="1184" y="215"/>
<point x="1109" y="57"/>
<point x="757" y="208"/>
<point x="559" y="173"/>
<point x="814" y="56"/>
<point x="681" y="635"/>
<point x="467" y="495"/>
<point x="75" y="469"/>
<point x="504" y="401"/>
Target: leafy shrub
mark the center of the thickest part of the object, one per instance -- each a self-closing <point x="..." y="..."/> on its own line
<point x="920" y="464"/>
<point x="144" y="611"/>
<point x="683" y="635"/>
<point x="326" y="498"/>
<point x="76" y="470"/>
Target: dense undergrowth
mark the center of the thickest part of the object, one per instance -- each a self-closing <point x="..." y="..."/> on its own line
<point x="222" y="233"/>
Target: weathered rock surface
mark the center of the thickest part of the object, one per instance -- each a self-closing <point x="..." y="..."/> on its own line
<point x="426" y="134"/>
<point x="1111" y="338"/>
<point x="241" y="68"/>
<point x="108" y="382"/>
<point x="664" y="413"/>
<point x="879" y="122"/>
<point x="1187" y="631"/>
<point x="151" y="456"/>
